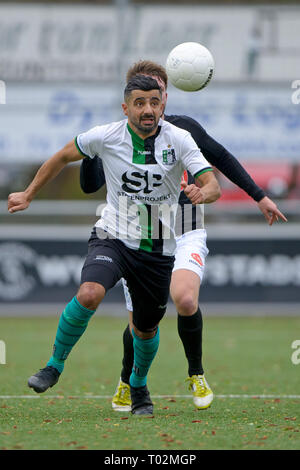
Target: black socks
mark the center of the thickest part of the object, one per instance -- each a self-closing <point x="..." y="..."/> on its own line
<point x="128" y="355"/>
<point x="190" y="332"/>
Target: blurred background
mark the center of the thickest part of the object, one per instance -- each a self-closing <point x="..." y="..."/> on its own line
<point x="64" y="64"/>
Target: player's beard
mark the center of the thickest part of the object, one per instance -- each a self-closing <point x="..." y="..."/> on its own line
<point x="150" y="126"/>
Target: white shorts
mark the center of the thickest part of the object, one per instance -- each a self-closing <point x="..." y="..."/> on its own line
<point x="191" y="251"/>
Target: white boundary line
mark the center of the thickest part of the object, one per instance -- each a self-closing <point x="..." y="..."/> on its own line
<point x="104" y="397"/>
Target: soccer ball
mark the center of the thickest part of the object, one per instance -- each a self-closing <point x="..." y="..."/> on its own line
<point x="190" y="66"/>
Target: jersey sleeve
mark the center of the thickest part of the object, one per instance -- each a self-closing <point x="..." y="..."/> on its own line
<point x="90" y="143"/>
<point x="220" y="157"/>
<point x="92" y="175"/>
<point x="192" y="158"/>
<point x="227" y="164"/>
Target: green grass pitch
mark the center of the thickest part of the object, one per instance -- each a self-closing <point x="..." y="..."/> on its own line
<point x="247" y="363"/>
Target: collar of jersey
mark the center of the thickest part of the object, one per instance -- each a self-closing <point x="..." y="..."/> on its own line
<point x="138" y="139"/>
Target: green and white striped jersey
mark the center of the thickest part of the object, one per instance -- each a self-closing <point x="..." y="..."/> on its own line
<point x="143" y="181"/>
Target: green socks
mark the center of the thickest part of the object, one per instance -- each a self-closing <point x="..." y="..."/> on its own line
<point x="144" y="353"/>
<point x="72" y="324"/>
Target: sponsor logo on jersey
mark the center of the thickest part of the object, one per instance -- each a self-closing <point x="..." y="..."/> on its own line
<point x="136" y="181"/>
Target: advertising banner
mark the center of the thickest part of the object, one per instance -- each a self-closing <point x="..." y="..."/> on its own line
<point x="53" y="42"/>
<point x="251" y="269"/>
<point x="57" y="43"/>
<point x="254" y="123"/>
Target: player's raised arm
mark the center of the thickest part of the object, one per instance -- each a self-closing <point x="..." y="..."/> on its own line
<point x="206" y="191"/>
<point x="218" y="156"/>
<point x="47" y="172"/>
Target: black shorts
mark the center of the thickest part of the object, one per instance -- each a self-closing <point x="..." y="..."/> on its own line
<point x="148" y="277"/>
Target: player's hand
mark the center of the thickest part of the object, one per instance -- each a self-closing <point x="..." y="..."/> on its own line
<point x="193" y="192"/>
<point x="17" y="202"/>
<point x="270" y="210"/>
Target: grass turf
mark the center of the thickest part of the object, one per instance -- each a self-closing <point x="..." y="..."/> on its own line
<point x="243" y="356"/>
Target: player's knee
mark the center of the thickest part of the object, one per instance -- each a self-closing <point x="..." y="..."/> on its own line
<point x="186" y="304"/>
<point x="145" y="334"/>
<point x="90" y="294"/>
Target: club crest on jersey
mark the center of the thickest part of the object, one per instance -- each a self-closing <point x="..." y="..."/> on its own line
<point x="168" y="156"/>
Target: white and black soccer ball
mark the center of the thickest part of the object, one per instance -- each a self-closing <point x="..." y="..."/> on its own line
<point x="190" y="66"/>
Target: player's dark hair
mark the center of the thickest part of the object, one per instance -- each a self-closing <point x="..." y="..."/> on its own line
<point x="140" y="82"/>
<point x="147" y="67"/>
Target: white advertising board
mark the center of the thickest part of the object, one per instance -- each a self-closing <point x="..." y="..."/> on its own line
<point x="70" y="43"/>
<point x="254" y="123"/>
